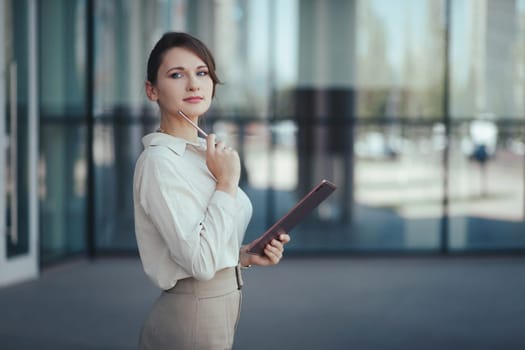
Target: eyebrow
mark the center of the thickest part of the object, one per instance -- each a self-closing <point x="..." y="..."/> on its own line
<point x="182" y="68"/>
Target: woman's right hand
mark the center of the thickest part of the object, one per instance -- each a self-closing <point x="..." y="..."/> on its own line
<point x="224" y="163"/>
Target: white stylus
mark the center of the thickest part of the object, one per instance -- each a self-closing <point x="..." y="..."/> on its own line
<point x="192" y="123"/>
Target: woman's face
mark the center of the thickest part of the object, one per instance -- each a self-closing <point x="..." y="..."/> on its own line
<point x="183" y="83"/>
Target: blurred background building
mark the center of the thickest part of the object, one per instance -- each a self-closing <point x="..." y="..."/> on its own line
<point x="414" y="108"/>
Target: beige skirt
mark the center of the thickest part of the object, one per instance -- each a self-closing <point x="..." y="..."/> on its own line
<point x="197" y="315"/>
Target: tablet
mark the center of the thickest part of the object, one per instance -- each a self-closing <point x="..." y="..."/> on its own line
<point x="302" y="209"/>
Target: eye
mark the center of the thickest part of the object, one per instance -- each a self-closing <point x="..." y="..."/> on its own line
<point x="176" y="75"/>
<point x="202" y="73"/>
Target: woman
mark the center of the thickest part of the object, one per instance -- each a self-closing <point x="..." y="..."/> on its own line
<point x="190" y="214"/>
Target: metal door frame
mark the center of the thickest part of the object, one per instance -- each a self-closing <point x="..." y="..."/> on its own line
<point x="20" y="267"/>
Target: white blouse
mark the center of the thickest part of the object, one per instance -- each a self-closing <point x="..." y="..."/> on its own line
<point x="184" y="227"/>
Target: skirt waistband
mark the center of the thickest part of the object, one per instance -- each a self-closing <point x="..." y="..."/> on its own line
<point x="225" y="281"/>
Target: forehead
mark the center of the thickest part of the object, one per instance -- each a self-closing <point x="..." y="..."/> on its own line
<point x="181" y="57"/>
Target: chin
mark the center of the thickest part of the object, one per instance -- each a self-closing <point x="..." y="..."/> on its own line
<point x="196" y="110"/>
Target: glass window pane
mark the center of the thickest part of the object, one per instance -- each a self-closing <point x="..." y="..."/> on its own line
<point x="486" y="173"/>
<point x="62" y="190"/>
<point x="398" y="185"/>
<point x="398" y="142"/>
<point x="62" y="150"/>
<point x="351" y="91"/>
<point x="115" y="150"/>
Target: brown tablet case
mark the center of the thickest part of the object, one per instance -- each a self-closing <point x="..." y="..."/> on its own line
<point x="302" y="209"/>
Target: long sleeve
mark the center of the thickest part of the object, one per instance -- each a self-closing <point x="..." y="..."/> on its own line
<point x="196" y="233"/>
<point x="184" y="227"/>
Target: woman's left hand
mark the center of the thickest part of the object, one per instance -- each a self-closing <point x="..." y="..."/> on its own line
<point x="273" y="252"/>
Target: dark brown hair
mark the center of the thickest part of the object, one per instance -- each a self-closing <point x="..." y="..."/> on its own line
<point x="178" y="39"/>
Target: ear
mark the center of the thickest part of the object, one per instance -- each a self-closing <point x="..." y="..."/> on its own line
<point x="151" y="91"/>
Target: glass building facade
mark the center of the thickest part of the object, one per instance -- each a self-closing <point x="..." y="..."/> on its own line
<point x="414" y="108"/>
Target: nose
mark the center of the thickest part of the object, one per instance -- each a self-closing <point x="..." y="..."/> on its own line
<point x="193" y="84"/>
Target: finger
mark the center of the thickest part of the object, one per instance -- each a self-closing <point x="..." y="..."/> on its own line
<point x="220" y="145"/>
<point x="274" y="257"/>
<point x="275" y="252"/>
<point x="284" y="238"/>
<point x="277" y="244"/>
<point x="283" y="235"/>
<point x="210" y="141"/>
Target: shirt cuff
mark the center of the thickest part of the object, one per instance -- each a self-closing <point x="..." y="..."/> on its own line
<point x="224" y="200"/>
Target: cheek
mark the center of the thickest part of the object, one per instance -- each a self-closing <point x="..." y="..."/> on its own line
<point x="171" y="90"/>
<point x="209" y="88"/>
<point x="169" y="99"/>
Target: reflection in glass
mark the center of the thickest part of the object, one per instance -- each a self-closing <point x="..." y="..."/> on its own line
<point x="351" y="91"/>
<point x="62" y="192"/>
<point x="487" y="195"/>
<point x="487" y="189"/>
<point x="62" y="162"/>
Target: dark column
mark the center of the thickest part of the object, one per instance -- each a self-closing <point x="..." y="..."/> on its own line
<point x="325" y="98"/>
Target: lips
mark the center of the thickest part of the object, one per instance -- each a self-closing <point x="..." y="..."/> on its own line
<point x="193" y="99"/>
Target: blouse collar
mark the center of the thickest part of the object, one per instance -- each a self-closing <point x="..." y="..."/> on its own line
<point x="176" y="144"/>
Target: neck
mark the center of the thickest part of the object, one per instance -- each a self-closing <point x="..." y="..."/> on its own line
<point x="178" y="127"/>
